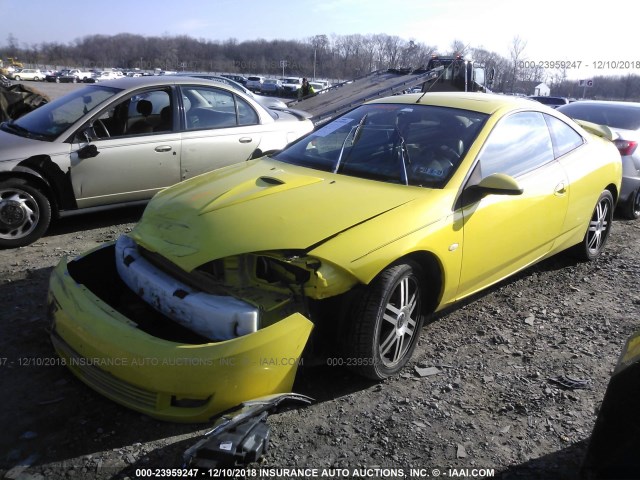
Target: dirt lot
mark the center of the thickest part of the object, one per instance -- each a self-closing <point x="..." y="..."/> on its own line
<point x="492" y="404"/>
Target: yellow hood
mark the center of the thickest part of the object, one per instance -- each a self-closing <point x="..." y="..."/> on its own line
<point x="259" y="206"/>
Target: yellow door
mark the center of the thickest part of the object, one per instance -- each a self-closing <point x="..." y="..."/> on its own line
<point x="505" y="233"/>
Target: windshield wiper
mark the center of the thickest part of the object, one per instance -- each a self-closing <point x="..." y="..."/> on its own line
<point x="404" y="153"/>
<point x="13" y="127"/>
<point x="17" y="129"/>
<point x="356" y="136"/>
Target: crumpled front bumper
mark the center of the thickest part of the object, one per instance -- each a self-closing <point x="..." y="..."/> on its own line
<point x="164" y="379"/>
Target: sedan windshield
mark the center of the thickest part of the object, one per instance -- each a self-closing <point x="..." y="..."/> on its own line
<point x="52" y="119"/>
<point x="398" y="143"/>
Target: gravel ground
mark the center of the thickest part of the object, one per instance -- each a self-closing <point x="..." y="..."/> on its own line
<point x="478" y="397"/>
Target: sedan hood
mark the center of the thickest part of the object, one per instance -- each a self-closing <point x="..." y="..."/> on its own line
<point x="261" y="205"/>
<point x="17" y="148"/>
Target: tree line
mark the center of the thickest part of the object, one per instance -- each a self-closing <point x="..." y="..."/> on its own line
<point x="321" y="56"/>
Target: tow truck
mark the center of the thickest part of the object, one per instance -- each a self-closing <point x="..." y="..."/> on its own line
<point x="441" y="74"/>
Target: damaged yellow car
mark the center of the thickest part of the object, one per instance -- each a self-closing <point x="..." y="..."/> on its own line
<point x="359" y="230"/>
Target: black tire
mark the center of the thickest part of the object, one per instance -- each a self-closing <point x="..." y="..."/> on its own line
<point x="25" y="213"/>
<point x="597" y="233"/>
<point x="385" y="323"/>
<point x="631" y="209"/>
<point x="17" y="78"/>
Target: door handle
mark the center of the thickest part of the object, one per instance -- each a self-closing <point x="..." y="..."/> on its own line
<point x="163" y="148"/>
<point x="560" y="189"/>
<point x="246" y="139"/>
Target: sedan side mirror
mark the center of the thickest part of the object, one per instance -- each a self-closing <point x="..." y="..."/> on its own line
<point x="88" y="151"/>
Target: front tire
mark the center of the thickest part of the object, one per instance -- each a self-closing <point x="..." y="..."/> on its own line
<point x="25" y="213"/>
<point x="385" y="323"/>
<point x="597" y="234"/>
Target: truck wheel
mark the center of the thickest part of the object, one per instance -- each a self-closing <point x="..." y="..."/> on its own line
<point x="386" y="322"/>
<point x="25" y="213"/>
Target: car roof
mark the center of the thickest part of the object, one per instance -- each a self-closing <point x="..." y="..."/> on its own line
<point x="159" y="80"/>
<point x="479" y="102"/>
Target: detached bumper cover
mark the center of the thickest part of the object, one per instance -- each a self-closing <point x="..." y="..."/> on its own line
<point x="164" y="379"/>
<point x="213" y="316"/>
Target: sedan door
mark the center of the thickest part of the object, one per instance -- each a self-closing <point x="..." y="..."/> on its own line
<point x="505" y="233"/>
<point x="138" y="152"/>
<point x="220" y="129"/>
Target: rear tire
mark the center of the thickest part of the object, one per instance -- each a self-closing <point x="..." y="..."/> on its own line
<point x="385" y="323"/>
<point x="25" y="213"/>
<point x="631" y="209"/>
<point x="597" y="233"/>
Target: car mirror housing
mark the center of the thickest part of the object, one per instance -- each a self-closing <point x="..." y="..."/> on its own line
<point x="499" y="184"/>
<point x="88" y="151"/>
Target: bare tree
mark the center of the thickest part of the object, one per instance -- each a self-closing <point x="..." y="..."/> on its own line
<point x="459" y="48"/>
<point x="517" y="55"/>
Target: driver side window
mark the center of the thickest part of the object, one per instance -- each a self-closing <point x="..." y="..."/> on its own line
<point x="517" y="145"/>
<point x="144" y="113"/>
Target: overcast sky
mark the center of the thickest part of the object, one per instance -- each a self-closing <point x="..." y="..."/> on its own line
<point x="552" y="29"/>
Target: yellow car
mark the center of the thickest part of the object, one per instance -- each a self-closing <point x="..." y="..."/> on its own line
<point x="393" y="211"/>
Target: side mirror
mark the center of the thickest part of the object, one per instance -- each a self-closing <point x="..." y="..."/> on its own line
<point x="494" y="184"/>
<point x="88" y="151"/>
<point x="497" y="184"/>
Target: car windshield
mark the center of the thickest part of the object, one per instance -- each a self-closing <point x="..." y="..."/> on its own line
<point x="50" y="120"/>
<point x="398" y="143"/>
<point x="625" y="117"/>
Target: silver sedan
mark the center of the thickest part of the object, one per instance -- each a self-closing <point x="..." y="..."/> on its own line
<point x="119" y="142"/>
<point x="624" y="119"/>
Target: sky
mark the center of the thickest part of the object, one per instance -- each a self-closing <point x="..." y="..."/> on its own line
<point x="588" y="34"/>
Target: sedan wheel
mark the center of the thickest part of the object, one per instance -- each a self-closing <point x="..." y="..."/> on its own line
<point x="599" y="227"/>
<point x="386" y="323"/>
<point x="25" y="213"/>
<point x="631" y="209"/>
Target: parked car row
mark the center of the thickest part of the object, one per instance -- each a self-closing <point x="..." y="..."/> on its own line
<point x="285" y="87"/>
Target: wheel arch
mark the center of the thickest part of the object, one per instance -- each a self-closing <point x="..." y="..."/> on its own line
<point x="434" y="277"/>
<point x="614" y="191"/>
<point x="48" y="177"/>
